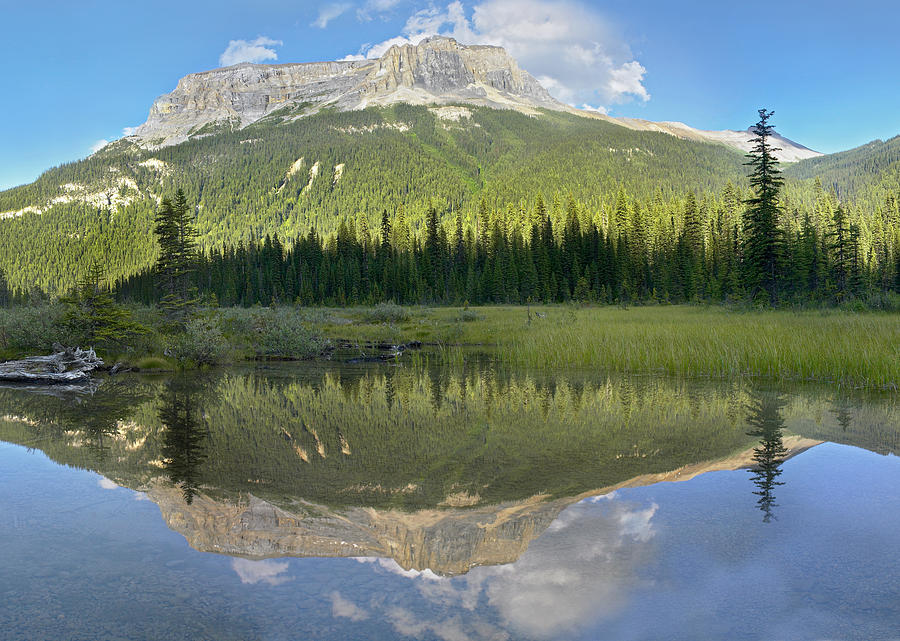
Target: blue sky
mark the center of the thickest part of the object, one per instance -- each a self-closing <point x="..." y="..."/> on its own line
<point x="76" y="73"/>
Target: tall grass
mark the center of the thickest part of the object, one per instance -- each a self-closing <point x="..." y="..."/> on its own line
<point x="835" y="346"/>
<point x="860" y="350"/>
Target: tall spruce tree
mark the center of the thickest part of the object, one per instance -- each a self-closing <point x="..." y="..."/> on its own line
<point x="177" y="259"/>
<point x="762" y="235"/>
<point x="4" y="290"/>
<point x="838" y="238"/>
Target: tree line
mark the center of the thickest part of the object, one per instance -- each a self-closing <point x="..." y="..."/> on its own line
<point x="744" y="250"/>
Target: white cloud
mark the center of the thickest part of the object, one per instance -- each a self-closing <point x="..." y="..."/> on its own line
<point x="129" y="131"/>
<point x="97" y="146"/>
<point x="600" y="109"/>
<point x="341" y="607"/>
<point x="565" y="44"/>
<point x="378" y="50"/>
<point x="373" y="8"/>
<point x="406" y="623"/>
<point x="580" y="572"/>
<point x="628" y="79"/>
<point x="451" y="20"/>
<point x="329" y="12"/>
<point x="257" y="50"/>
<point x="104" y="482"/>
<point x="253" y="572"/>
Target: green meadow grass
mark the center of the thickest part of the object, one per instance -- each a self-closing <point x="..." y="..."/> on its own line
<point x="852" y="349"/>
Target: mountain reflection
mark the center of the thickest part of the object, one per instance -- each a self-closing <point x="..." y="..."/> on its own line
<point x="183" y="449"/>
<point x="440" y="468"/>
<point x="767" y="424"/>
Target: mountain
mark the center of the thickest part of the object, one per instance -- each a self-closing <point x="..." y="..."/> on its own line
<point x="437" y="71"/>
<point x="447" y="541"/>
<point x="786" y="150"/>
<point x="871" y="170"/>
<point x="287" y="176"/>
<point x="266" y="149"/>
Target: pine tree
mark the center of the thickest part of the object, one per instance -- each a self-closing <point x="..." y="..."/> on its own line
<point x="385" y="246"/>
<point x="5" y="297"/>
<point x="855" y="273"/>
<point x="762" y="235"/>
<point x="838" y="239"/>
<point x="183" y="449"/>
<point x="92" y="316"/>
<point x="178" y="255"/>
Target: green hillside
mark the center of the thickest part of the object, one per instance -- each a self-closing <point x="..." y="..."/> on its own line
<point x="288" y="174"/>
<point x="867" y="170"/>
<point x="364" y="162"/>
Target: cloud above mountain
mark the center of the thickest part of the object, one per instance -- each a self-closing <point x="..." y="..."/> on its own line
<point x="97" y="146"/>
<point x="569" y="47"/>
<point x="329" y="12"/>
<point x="258" y="50"/>
<point x="372" y="8"/>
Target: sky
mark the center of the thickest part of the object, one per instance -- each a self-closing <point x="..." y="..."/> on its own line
<point x="78" y="74"/>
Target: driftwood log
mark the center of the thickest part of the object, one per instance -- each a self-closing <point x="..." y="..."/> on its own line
<point x="67" y="365"/>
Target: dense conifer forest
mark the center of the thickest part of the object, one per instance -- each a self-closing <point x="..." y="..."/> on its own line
<point x="399" y="204"/>
<point x="631" y="256"/>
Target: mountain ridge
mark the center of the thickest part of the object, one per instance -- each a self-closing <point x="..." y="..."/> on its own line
<point x="437" y="71"/>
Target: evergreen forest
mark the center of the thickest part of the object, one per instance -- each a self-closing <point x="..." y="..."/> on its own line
<point x="398" y="204"/>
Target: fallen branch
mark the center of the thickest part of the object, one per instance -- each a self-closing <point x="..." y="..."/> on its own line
<point x="66" y="365"/>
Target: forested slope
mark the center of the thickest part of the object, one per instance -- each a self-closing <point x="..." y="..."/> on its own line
<point x="286" y="175"/>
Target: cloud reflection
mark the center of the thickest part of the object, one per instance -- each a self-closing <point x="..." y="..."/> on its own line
<point x="106" y="484"/>
<point x="578" y="573"/>
<point x="341" y="607"/>
<point x="253" y="572"/>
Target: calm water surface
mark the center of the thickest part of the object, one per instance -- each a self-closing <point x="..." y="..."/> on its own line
<point x="330" y="501"/>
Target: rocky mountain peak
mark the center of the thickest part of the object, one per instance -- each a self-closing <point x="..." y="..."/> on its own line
<point x="438" y="70"/>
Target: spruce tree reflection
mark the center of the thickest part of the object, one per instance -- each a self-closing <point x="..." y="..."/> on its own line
<point x="766" y="423"/>
<point x="183" y="440"/>
<point x="841" y="411"/>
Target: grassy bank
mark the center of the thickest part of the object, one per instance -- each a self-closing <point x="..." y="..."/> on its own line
<point x="855" y="349"/>
<point x="848" y="348"/>
<point x="210" y="337"/>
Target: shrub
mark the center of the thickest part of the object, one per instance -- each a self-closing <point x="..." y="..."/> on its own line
<point x="282" y="333"/>
<point x="32" y="329"/>
<point x="153" y="362"/>
<point x="201" y="342"/>
<point x="469" y="316"/>
<point x="386" y="313"/>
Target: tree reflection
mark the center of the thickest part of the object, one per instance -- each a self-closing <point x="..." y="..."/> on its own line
<point x="766" y="423"/>
<point x="183" y="450"/>
<point x="89" y="416"/>
<point x="841" y="411"/>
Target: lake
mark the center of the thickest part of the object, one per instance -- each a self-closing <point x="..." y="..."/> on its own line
<point x="332" y="500"/>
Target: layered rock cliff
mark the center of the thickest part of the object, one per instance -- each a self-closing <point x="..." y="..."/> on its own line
<point x="436" y="71"/>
